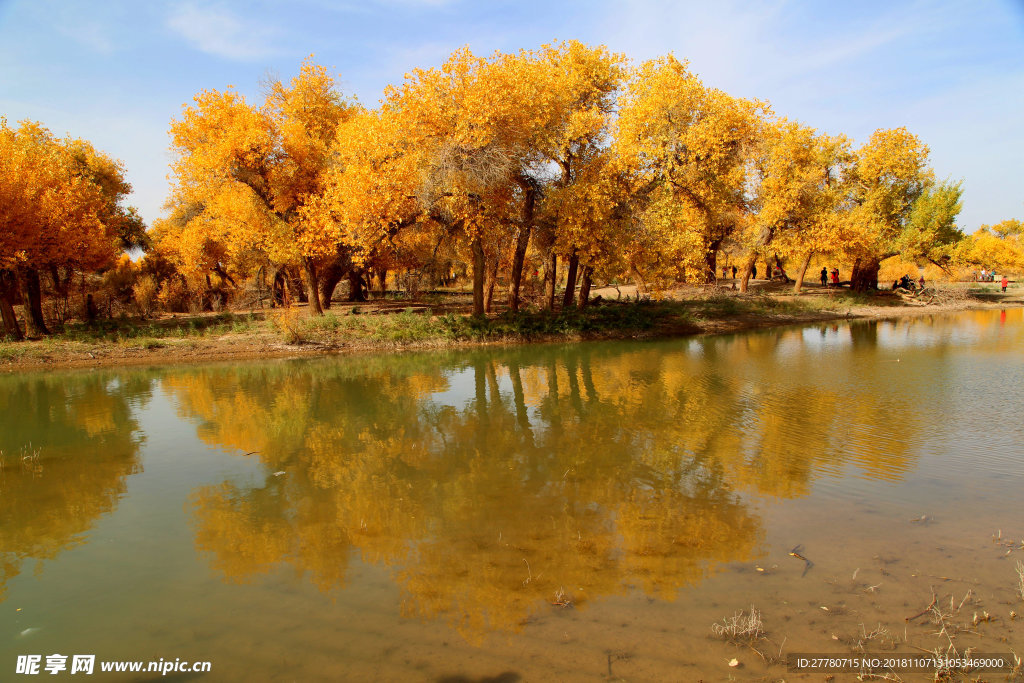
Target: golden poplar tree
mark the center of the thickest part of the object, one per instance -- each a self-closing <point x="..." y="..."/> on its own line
<point x="888" y="176"/>
<point x="690" y="148"/>
<point x="800" y="196"/>
<point x="252" y="170"/>
<point x="61" y="211"/>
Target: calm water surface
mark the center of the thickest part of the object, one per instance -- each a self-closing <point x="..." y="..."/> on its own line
<point x="530" y="513"/>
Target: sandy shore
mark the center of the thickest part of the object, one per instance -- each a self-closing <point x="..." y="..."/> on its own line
<point x="57" y="353"/>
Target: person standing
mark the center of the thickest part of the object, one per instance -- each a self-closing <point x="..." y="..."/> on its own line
<point x="753" y="272"/>
<point x="1004" y="282"/>
<point x="734" y="271"/>
<point x="824" y="276"/>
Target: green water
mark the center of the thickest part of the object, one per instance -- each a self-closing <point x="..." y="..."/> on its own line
<point x="531" y="513"/>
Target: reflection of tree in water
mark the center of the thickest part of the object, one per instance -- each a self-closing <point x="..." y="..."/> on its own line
<point x="565" y="473"/>
<point x="68" y="443"/>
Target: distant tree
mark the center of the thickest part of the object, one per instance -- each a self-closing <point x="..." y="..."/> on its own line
<point x="889" y="177"/>
<point x="999" y="246"/>
<point x="62" y="211"/>
<point x="1008" y="228"/>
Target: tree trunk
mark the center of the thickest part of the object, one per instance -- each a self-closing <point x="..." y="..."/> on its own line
<point x="32" y="300"/>
<point x="802" y="272"/>
<point x="748" y="268"/>
<point x="224" y="275"/>
<point x="516" y="276"/>
<point x="297" y="291"/>
<point x="91" y="312"/>
<point x="7" y="297"/>
<point x="356" y="286"/>
<point x="61" y="285"/>
<point x="522" y="241"/>
<point x="490" y="279"/>
<point x="585" y="283"/>
<point x="550" y="276"/>
<point x="479" y="266"/>
<point x="329" y="279"/>
<point x="11" y="327"/>
<point x="382" y="281"/>
<point x="782" y="270"/>
<point x="710" y="276"/>
<point x="570" y="280"/>
<point x="259" y="286"/>
<point x="641" y="284"/>
<point x="278" y="289"/>
<point x="314" y="285"/>
<point x="865" y="275"/>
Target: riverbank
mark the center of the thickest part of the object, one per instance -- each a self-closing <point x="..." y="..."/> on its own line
<point x="436" y="322"/>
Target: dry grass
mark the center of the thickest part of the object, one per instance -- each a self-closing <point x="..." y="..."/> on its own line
<point x="742" y="627"/>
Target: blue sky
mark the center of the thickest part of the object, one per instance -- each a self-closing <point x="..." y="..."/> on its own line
<point x="116" y="72"/>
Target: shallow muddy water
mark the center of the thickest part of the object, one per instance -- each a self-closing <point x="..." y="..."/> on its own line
<point x="532" y="513"/>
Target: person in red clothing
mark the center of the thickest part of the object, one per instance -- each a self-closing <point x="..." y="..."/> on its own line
<point x="1004" y="282"/>
<point x="835" y="276"/>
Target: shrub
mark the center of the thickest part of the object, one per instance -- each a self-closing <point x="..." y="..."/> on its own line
<point x="288" y="321"/>
<point x="173" y="296"/>
<point x="144" y="291"/>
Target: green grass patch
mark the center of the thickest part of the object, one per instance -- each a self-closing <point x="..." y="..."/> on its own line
<point x="531" y="324"/>
<point x="121" y="329"/>
<point x="12" y="351"/>
<point x="410" y="326"/>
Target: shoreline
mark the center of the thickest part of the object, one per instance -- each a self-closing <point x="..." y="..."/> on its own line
<point x="58" y="354"/>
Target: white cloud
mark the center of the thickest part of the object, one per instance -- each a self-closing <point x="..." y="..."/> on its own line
<point x="220" y="32"/>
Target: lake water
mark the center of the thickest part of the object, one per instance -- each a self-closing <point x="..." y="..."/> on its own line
<point x="531" y="513"/>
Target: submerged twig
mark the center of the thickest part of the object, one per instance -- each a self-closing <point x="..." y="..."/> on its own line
<point x="926" y="610"/>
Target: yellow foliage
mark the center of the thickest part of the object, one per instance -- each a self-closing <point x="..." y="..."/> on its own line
<point x="691" y="145"/>
<point x="890" y="172"/>
<point x="144" y="291"/>
<point x="987" y="248"/>
<point x="173" y="295"/>
<point x="467" y="161"/>
<point x="288" y="320"/>
<point x="244" y="175"/>
<point x="894" y="268"/>
<point x="59" y="200"/>
<point x="800" y="192"/>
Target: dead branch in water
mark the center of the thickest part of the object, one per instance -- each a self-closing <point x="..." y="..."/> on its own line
<point x="926" y="610"/>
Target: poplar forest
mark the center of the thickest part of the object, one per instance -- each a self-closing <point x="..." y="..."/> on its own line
<point x="526" y="179"/>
